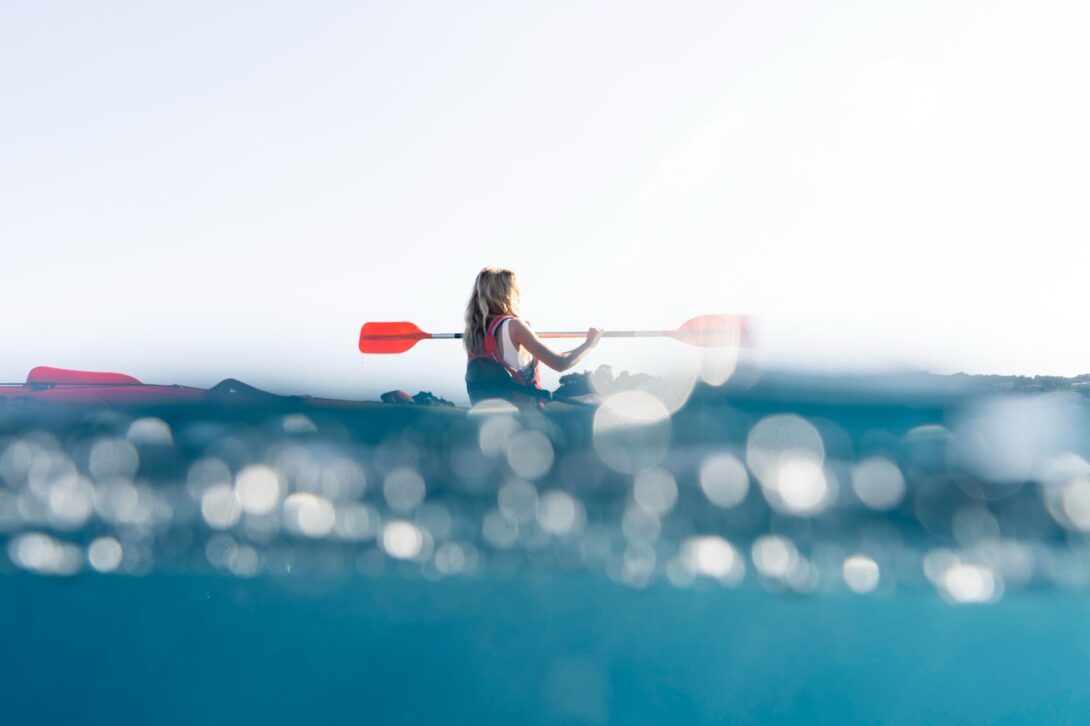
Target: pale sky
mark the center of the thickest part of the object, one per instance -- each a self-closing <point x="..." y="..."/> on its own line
<point x="193" y="191"/>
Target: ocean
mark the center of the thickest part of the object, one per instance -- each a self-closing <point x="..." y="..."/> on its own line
<point x="780" y="549"/>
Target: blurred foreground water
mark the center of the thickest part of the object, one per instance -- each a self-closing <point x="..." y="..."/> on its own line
<point x="779" y="548"/>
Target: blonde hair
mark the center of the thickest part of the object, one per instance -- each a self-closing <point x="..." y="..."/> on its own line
<point x="495" y="292"/>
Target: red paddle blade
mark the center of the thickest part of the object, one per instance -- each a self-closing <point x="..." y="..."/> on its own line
<point x="713" y="331"/>
<point x="389" y="337"/>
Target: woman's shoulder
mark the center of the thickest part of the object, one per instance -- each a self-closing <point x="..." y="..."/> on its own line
<point x="507" y="323"/>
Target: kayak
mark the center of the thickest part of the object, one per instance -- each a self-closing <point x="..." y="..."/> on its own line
<point x="66" y="387"/>
<point x="63" y="386"/>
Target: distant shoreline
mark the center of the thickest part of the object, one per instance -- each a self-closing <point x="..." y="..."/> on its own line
<point x="1026" y="384"/>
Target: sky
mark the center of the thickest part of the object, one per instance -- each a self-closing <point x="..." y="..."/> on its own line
<point x="191" y="191"/>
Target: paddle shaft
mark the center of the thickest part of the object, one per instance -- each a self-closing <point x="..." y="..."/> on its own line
<point x="613" y="334"/>
<point x="561" y="334"/>
<point x="705" y="331"/>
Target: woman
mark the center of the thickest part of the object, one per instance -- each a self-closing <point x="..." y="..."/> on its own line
<point x="494" y="331"/>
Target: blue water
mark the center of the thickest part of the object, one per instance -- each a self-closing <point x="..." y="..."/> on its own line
<point x="775" y="551"/>
<point x="551" y="649"/>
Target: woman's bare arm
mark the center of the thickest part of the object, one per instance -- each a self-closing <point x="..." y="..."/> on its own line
<point x="523" y="335"/>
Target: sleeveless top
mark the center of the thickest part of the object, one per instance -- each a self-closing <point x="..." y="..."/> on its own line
<point x="513" y="356"/>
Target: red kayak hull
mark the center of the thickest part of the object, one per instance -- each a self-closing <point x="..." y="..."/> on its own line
<point x="63" y="386"/>
<point x="132" y="394"/>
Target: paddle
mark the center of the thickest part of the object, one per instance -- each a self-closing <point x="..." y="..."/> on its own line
<point x="705" y="331"/>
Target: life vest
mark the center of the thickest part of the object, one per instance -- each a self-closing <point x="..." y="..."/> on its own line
<point x="527" y="377"/>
